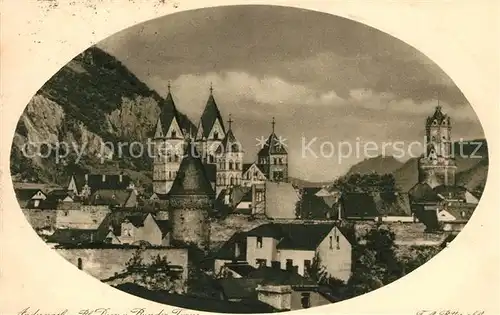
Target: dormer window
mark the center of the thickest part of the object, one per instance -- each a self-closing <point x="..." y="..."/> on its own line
<point x="216" y="135"/>
<point x="173" y="134"/>
<point x="434" y="122"/>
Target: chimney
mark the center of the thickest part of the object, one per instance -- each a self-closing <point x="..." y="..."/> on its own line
<point x="103" y="177"/>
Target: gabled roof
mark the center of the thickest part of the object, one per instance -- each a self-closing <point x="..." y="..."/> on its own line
<point x="164" y="226"/>
<point x="358" y="205"/>
<point x="230" y="144"/>
<point x="168" y="112"/>
<point x="97" y="181"/>
<point x="115" y="219"/>
<point x="247" y="166"/>
<point x="243" y="269"/>
<point x="227" y="251"/>
<point x="272" y="146"/>
<point x="392" y="204"/>
<point x="111" y="197"/>
<point x="210" y="114"/>
<point x="191" y="178"/>
<point x="26" y="194"/>
<point x="294" y="236"/>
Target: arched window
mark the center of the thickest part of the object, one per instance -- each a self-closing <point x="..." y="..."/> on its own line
<point x="80" y="264"/>
<point x="216" y="135"/>
<point x="230" y="165"/>
<point x="231" y="180"/>
<point x="173" y="134"/>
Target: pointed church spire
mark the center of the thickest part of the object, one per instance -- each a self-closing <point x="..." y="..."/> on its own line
<point x="211" y="88"/>
<point x="229" y="122"/>
<point x="169" y="86"/>
<point x="273" y="123"/>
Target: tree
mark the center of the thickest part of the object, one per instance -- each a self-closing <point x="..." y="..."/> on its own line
<point x="158" y="274"/>
<point x="375" y="262"/>
<point x="372" y="182"/>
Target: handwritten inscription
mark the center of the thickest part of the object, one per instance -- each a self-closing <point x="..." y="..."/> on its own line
<point x="108" y="311"/>
<point x="448" y="312"/>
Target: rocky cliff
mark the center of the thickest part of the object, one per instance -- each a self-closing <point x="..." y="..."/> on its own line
<point x="91" y="101"/>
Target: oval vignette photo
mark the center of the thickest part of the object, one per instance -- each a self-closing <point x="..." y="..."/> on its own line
<point x="249" y="159"/>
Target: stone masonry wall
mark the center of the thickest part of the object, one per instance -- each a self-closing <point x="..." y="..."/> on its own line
<point x="104" y="263"/>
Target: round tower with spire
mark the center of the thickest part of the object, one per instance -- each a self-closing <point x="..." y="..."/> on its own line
<point x="437" y="166"/>
<point x="191" y="202"/>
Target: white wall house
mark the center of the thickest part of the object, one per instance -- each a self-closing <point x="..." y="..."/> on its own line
<point x="294" y="247"/>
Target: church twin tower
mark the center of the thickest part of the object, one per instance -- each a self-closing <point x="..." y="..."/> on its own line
<point x="221" y="154"/>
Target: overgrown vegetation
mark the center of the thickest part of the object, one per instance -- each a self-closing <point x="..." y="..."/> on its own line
<point x="365" y="183"/>
<point x="375" y="264"/>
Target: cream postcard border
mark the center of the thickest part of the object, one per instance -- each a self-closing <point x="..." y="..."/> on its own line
<point x="39" y="37"/>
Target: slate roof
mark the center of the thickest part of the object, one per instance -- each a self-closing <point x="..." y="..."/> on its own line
<point x="246" y="166"/>
<point x="73" y="236"/>
<point x="168" y="113"/>
<point x="58" y="194"/>
<point x="210" y="114"/>
<point x="95" y="181"/>
<point x="191" y="178"/>
<point x="358" y="205"/>
<point x="272" y="146"/>
<point x="294" y="236"/>
<point x="164" y="226"/>
<point x="230" y="144"/>
<point x="111" y="197"/>
<point x="243" y="269"/>
<point x="205" y="304"/>
<point x="423" y="193"/>
<point x="227" y="251"/>
<point x="210" y="171"/>
<point x="392" y="204"/>
<point x="26" y="194"/>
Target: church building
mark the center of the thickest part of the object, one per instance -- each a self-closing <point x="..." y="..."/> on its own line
<point x="220" y="152"/>
<point x="437" y="166"/>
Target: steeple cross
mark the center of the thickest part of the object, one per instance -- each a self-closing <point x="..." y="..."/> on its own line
<point x="230" y="121"/>
<point x="211" y="88"/>
<point x="168" y="86"/>
<point x="273" y="123"/>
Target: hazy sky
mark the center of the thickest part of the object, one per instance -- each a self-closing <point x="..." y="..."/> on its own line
<point x="321" y="76"/>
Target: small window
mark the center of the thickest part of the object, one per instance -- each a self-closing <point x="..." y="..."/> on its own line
<point x="230" y="165"/>
<point x="289" y="264"/>
<point x="305" y="300"/>
<point x="331" y="242"/>
<point x="216" y="135"/>
<point x="80" y="264"/>
<point x="259" y="241"/>
<point x="338" y="242"/>
<point x="174" y="134"/>
<point x="307" y="264"/>
<point x="261" y="262"/>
